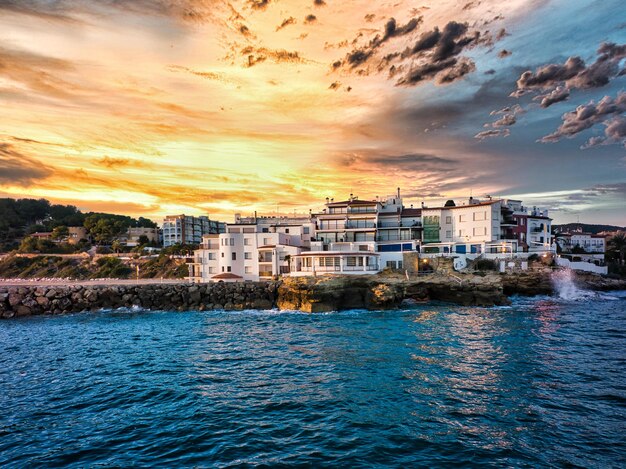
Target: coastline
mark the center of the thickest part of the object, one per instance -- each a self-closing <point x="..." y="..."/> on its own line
<point x="311" y="294"/>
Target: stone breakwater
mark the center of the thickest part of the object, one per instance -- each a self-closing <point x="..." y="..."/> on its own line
<point x="32" y="300"/>
<point x="308" y="294"/>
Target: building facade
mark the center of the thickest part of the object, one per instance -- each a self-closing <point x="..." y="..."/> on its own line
<point x="185" y="229"/>
<point x="252" y="249"/>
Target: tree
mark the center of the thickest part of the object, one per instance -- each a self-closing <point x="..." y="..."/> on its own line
<point x="104" y="227"/>
<point x="116" y="246"/>
<point x="616" y="247"/>
<point x="145" y="223"/>
<point x="143" y="240"/>
<point x="60" y="232"/>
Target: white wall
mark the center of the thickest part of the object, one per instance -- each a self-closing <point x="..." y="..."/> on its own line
<point x="585" y="266"/>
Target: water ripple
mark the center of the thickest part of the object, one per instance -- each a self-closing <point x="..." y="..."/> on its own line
<point x="540" y="383"/>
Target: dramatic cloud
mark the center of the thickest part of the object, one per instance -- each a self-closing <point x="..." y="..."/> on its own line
<point x="71" y="10"/>
<point x="17" y="168"/>
<point x="286" y="22"/>
<point x="492" y="133"/>
<point x="560" y="93"/>
<point x="255" y="56"/>
<point x="361" y="55"/>
<point x="607" y="110"/>
<point x="574" y="73"/>
<point x="434" y="56"/>
<point x="614" y="133"/>
<point x="505" y="121"/>
<point x="40" y="74"/>
<point x="258" y="4"/>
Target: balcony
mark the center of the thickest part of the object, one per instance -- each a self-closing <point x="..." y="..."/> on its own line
<point x="362" y="210"/>
<point x="355" y="225"/>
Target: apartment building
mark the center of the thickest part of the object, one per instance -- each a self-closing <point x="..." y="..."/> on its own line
<point x="476" y="226"/>
<point x="533" y="229"/>
<point x="133" y="234"/>
<point x="582" y="243"/>
<point x="252" y="249"/>
<point x="185" y="229"/>
<point x="385" y="223"/>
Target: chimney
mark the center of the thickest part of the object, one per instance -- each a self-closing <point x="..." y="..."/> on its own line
<point x="398" y="192"/>
<point x="350" y="196"/>
<point x="332" y="199"/>
<point x="327" y="199"/>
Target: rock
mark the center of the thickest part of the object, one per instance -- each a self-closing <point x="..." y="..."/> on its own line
<point x="15" y="299"/>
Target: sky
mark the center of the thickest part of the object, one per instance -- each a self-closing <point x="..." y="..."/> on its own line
<point x="156" y="107"/>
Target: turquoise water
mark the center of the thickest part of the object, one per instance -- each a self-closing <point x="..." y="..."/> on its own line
<point x="541" y="383"/>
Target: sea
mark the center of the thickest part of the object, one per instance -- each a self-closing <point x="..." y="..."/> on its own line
<point x="540" y="383"/>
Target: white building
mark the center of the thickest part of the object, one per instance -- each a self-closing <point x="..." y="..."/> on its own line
<point x="492" y="226"/>
<point x="582" y="246"/>
<point x="384" y="225"/>
<point x="252" y="249"/>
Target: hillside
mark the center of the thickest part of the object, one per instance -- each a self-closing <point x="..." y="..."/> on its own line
<point x="83" y="269"/>
<point x="587" y="228"/>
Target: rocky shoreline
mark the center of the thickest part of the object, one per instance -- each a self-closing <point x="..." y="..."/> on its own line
<point x="308" y="294"/>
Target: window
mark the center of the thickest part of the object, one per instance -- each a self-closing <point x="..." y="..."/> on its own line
<point x="228" y="269"/>
<point x="266" y="230"/>
<point x="462" y="218"/>
<point x="461" y="233"/>
<point x="449" y="234"/>
<point x="247" y="255"/>
<point x="232" y="241"/>
<point x="448" y="220"/>
<point x="360" y="262"/>
<point x="305" y="230"/>
<point x="391" y="264"/>
<point x="234" y="256"/>
<point x="211" y="270"/>
<point x="287" y="230"/>
<point x="248" y="270"/>
<point x="246" y="241"/>
<point x="222" y="254"/>
<point x="222" y="268"/>
<point x="211" y="256"/>
<point x="267" y="241"/>
<point x="351" y="261"/>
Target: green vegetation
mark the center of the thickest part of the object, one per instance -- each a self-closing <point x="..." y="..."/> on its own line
<point x="111" y="267"/>
<point x="20" y="217"/>
<point x="45" y="246"/>
<point x="163" y="266"/>
<point x="16" y="266"/>
<point x="42" y="266"/>
<point x="616" y="254"/>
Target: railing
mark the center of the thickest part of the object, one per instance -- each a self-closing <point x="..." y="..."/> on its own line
<point x="368" y="268"/>
<point x="362" y="210"/>
<point x="354" y="224"/>
<point x="393" y="238"/>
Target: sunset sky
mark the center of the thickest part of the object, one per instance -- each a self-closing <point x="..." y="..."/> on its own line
<point x="155" y="107"/>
